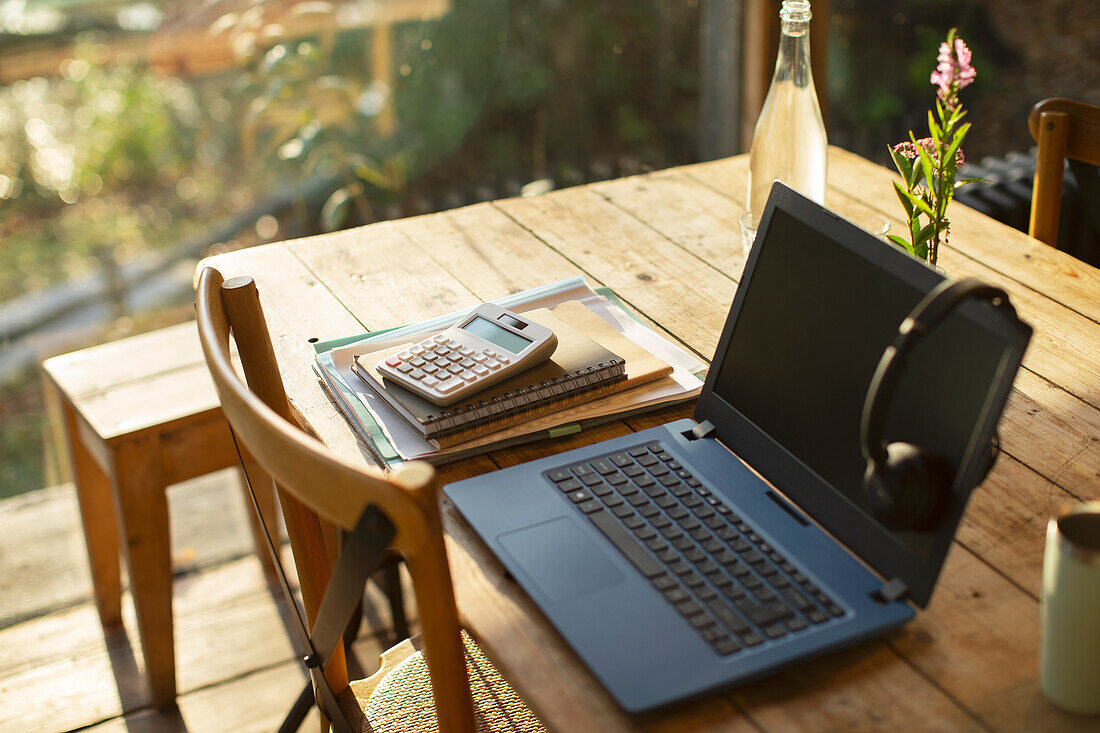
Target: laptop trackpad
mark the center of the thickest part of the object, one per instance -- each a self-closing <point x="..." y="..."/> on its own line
<point x="560" y="558"/>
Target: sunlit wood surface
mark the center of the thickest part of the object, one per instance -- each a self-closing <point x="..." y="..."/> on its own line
<point x="666" y="243"/>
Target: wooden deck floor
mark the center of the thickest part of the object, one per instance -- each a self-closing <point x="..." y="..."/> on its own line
<point x="236" y="667"/>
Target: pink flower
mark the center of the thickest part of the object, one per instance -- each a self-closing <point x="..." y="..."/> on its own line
<point x="910" y="151"/>
<point x="953" y="70"/>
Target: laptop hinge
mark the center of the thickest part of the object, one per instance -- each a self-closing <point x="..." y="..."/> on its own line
<point x="701" y="430"/>
<point x="892" y="590"/>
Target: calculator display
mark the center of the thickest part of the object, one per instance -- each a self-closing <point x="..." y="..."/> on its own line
<point x="494" y="334"/>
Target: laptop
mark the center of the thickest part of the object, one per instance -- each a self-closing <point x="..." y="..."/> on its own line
<point x="705" y="553"/>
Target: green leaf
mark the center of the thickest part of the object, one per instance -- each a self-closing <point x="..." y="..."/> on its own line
<point x="934" y="129"/>
<point x="969" y="179"/>
<point x="924" y="208"/>
<point x="904" y="166"/>
<point x="924" y="235"/>
<point x="905" y="198"/>
<point x="900" y="242"/>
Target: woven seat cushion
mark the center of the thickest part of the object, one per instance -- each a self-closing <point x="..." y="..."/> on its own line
<point x="402" y="701"/>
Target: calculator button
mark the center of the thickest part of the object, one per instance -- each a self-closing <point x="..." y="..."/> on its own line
<point x="417" y="374"/>
<point x="417" y="350"/>
<point x="480" y="358"/>
<point x="449" y="385"/>
<point x="403" y="368"/>
<point x="480" y="370"/>
<point x="467" y="363"/>
<point x="429" y="356"/>
<point x="430" y="368"/>
<point x="393" y="361"/>
<point x="417" y="362"/>
<point x="503" y="359"/>
<point x="439" y="339"/>
<point x="466" y="351"/>
<point x="455" y="369"/>
<point x="493" y="364"/>
<point x="454" y="345"/>
<point x="405" y="355"/>
<point x="429" y="381"/>
<point x="467" y="376"/>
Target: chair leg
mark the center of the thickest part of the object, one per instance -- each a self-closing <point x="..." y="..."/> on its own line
<point x="143" y="512"/>
<point x="97" y="513"/>
<point x="391" y="586"/>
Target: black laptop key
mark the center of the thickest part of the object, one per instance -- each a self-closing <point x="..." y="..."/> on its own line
<point x="661" y="453"/>
<point x="647" y="460"/>
<point x="708" y="567"/>
<point x="728" y="616"/>
<point x="677" y="595"/>
<point x="656" y="544"/>
<point x="688" y="523"/>
<point x="751" y="639"/>
<point x="655" y="490"/>
<point x="647" y="565"/>
<point x="796" y="624"/>
<point x="683" y="543"/>
<point x="660" y="470"/>
<point x="671" y="532"/>
<point x="590" y="506"/>
<point x="727" y="647"/>
<point x="665" y="501"/>
<point x="727" y="533"/>
<point x="696" y="555"/>
<point x="637" y="499"/>
<point x="739" y="545"/>
<point x="712" y="546"/>
<point x="581" y="470"/>
<point x="703" y="511"/>
<point x="691" y="500"/>
<point x="644" y="481"/>
<point x="701" y="534"/>
<point x="647" y="510"/>
<point x="675" y="466"/>
<point x="634" y="522"/>
<point x="633" y="471"/>
<point x="639" y="451"/>
<point x="579" y="495"/>
<point x="622" y="511"/>
<point x="591" y="479"/>
<point x="610" y="499"/>
<point x="559" y="475"/>
<point x="715" y="523"/>
<point x="688" y="608"/>
<point x="694" y="482"/>
<point x="570" y="484"/>
<point x="764" y="595"/>
<point x="616" y="479"/>
<point x="680" y="490"/>
<point x="801" y="602"/>
<point x="645" y="532"/>
<point x="834" y="610"/>
<point x="669" y="555"/>
<point x="679" y="567"/>
<point x="621" y="459"/>
<point x="706" y="593"/>
<point x="660" y="521"/>
<point x="817" y="616"/>
<point x="676" y="512"/>
<point x="663" y="583"/>
<point x="602" y="466"/>
<point x="668" y="480"/>
<point x="701" y="621"/>
<point x="775" y="631"/>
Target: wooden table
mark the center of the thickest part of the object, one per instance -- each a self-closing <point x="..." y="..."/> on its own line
<point x="667" y="244"/>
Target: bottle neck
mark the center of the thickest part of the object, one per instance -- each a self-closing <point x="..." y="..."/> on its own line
<point x="793" y="62"/>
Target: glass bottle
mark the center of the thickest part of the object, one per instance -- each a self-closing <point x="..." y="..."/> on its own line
<point x="788" y="142"/>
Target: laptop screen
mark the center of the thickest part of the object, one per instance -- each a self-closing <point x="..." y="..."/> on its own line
<point x="819" y="302"/>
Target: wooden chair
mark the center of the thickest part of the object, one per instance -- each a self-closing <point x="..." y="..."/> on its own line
<point x="1063" y="129"/>
<point x="376" y="511"/>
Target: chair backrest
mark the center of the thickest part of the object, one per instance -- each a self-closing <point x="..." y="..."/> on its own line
<point x="312" y="484"/>
<point x="1063" y="129"/>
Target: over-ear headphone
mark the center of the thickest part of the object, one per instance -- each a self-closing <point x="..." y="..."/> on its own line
<point x="904" y="486"/>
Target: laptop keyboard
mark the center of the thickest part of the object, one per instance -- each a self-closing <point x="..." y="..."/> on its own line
<point x="732" y="587"/>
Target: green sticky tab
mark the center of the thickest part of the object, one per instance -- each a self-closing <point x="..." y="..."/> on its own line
<point x="562" y="430"/>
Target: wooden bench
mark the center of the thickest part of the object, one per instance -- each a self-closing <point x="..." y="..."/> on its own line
<point x="141" y="414"/>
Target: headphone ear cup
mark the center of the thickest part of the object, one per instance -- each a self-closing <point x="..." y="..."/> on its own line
<point x="910" y="490"/>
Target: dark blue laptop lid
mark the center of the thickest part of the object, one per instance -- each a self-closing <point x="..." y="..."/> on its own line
<point x="819" y="301"/>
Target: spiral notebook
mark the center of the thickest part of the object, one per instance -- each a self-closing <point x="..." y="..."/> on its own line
<point x="581" y="369"/>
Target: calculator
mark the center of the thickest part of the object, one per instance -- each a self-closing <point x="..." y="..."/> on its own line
<point x="490" y="344"/>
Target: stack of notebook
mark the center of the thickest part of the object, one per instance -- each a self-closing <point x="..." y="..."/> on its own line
<point x="592" y="360"/>
<point x="394" y="427"/>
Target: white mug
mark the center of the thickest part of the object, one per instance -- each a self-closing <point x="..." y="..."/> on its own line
<point x="1069" y="669"/>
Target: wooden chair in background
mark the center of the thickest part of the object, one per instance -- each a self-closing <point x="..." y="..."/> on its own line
<point x="1063" y="129"/>
<point x="377" y="511"/>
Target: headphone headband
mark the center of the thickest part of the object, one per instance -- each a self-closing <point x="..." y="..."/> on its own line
<point x="932" y="309"/>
